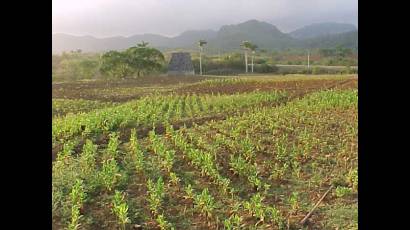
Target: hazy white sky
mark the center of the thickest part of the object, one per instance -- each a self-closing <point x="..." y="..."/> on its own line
<point x="103" y="18"/>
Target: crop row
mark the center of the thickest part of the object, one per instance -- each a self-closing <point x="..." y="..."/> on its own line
<point x="306" y="143"/>
<point x="154" y="109"/>
<point x="62" y="107"/>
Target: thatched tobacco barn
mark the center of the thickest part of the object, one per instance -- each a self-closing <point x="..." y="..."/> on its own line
<point x="181" y="64"/>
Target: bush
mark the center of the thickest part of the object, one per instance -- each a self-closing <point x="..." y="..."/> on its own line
<point x="266" y="68"/>
<point x="260" y="61"/>
<point x="232" y="65"/>
<point x="305" y="71"/>
<point x="343" y="191"/>
<point x="224" y="71"/>
<point x="318" y="70"/>
<point x="350" y="70"/>
<point x="229" y="65"/>
<point x="75" y="66"/>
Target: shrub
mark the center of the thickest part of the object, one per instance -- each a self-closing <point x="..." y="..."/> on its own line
<point x="343" y="191"/>
<point x="224" y="71"/>
<point x="266" y="68"/>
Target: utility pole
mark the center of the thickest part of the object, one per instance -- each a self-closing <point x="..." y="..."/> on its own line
<point x="308" y="59"/>
<point x="246" y="61"/>
<point x="246" y="46"/>
<point x="201" y="44"/>
<point x="253" y="52"/>
<point x="200" y="60"/>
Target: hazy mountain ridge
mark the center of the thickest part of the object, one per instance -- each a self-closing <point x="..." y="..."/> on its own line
<point x="347" y="40"/>
<point x="263" y="34"/>
<point x="227" y="38"/>
<point x="321" y="29"/>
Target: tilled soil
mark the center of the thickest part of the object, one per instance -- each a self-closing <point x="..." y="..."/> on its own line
<point x="243" y="87"/>
<point x="135" y="88"/>
<point x="130" y="89"/>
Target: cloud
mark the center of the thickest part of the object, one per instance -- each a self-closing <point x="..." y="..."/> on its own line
<point x="171" y="17"/>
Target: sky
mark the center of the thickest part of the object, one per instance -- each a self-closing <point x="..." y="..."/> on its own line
<point x="106" y="18"/>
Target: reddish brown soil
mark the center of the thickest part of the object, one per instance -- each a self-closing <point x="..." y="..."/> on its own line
<point x="243" y="87"/>
<point x="135" y="87"/>
<point x="90" y="90"/>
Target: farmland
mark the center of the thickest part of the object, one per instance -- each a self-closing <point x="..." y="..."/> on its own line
<point x="244" y="152"/>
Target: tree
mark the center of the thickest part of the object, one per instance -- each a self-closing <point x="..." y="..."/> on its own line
<point x="138" y="59"/>
<point x="70" y="69"/>
<point x="246" y="46"/>
<point x="55" y="64"/>
<point x="115" y="64"/>
<point x="144" y="59"/>
<point x="201" y="44"/>
<point x="143" y="44"/>
<point x="88" y="68"/>
<point x="326" y="52"/>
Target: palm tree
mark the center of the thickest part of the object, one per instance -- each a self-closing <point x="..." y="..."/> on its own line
<point x="142" y="44"/>
<point x="253" y="48"/>
<point x="246" y="45"/>
<point x="201" y="44"/>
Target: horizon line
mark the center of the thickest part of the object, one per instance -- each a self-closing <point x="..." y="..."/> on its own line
<point x="175" y="35"/>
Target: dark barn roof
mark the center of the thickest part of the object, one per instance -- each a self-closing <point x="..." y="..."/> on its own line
<point x="181" y="62"/>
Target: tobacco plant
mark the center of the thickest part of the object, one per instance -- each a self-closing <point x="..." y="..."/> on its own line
<point x="233" y="222"/>
<point x="174" y="180"/>
<point x="77" y="196"/>
<point x="109" y="174"/>
<point x="120" y="209"/>
<point x="294" y="201"/>
<point x="189" y="192"/>
<point x="74" y="223"/>
<point x="163" y="223"/>
<point x="155" y="195"/>
<point x="204" y="202"/>
<point x="136" y="152"/>
<point x="87" y="160"/>
<point x="255" y="207"/>
<point x="113" y="143"/>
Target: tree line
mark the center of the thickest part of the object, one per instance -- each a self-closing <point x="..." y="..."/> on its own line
<point x="142" y="60"/>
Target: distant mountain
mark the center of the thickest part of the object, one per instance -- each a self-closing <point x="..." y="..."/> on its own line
<point x="347" y="40"/>
<point x="227" y="38"/>
<point x="189" y="39"/>
<point x="65" y="42"/>
<point x="321" y="29"/>
<point x="263" y="34"/>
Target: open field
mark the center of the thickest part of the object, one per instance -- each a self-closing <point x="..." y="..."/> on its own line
<point x="126" y="90"/>
<point x="119" y="90"/>
<point x="247" y="152"/>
